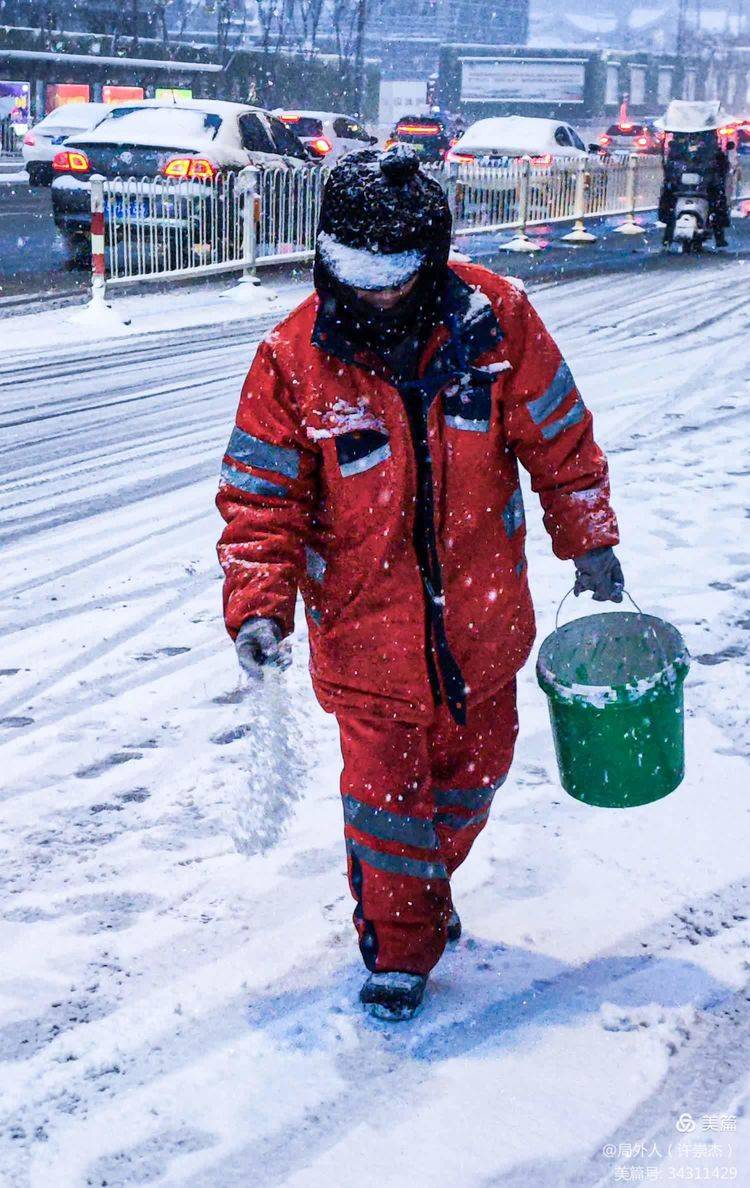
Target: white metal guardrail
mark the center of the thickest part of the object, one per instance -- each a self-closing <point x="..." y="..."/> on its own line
<point x="155" y="228"/>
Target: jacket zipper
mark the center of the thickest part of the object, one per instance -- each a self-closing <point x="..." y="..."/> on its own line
<point x="440" y="659"/>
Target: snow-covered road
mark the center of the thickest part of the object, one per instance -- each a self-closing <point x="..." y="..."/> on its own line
<point x="174" y="1011"/>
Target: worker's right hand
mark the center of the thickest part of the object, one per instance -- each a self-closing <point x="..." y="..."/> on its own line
<point x="260" y="645"/>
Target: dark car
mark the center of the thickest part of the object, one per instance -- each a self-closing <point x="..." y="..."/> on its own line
<point x="429" y="135"/>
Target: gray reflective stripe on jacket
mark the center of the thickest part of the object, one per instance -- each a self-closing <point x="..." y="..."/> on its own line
<point x="396" y="864"/>
<point x="251" y="451"/>
<point x="466" y="423"/>
<point x="572" y="417"/>
<point x="410" y="831"/>
<point x="315" y="565"/>
<point x="359" y="465"/>
<point x="513" y="513"/>
<point x="251" y="483"/>
<point x="562" y="385"/>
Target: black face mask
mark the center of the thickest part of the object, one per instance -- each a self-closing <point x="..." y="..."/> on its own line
<point x="415" y="314"/>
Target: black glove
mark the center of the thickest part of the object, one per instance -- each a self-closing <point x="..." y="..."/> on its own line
<point x="601" y="572"/>
<point x="258" y="644"/>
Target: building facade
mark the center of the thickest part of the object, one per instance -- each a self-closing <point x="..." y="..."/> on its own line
<point x="408" y="35"/>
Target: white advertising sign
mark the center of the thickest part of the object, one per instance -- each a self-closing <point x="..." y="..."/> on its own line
<point x="399" y="97"/>
<point x="524" y="80"/>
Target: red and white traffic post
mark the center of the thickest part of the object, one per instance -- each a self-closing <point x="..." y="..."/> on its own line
<point x="98" y="275"/>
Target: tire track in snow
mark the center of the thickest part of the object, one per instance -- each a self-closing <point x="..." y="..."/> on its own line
<point x="151" y="348"/>
<point x="701" y="1078"/>
<point x="399" y="1064"/>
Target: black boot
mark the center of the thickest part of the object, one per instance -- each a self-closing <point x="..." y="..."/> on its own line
<point x="720" y="239"/>
<point x="454" y="927"/>
<point x="394" y="996"/>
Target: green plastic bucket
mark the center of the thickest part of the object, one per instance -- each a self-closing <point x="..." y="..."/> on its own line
<point x="614" y="684"/>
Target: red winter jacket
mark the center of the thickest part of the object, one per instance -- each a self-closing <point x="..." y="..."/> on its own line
<point x="323" y="482"/>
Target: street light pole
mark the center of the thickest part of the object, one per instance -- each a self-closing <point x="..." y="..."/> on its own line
<point x="359" y="58"/>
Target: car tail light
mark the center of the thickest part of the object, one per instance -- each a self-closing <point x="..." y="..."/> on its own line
<point x="418" y="130"/>
<point x="194" y="168"/>
<point x="71" y="161"/>
<point x="604" y="140"/>
<point x="642" y="141"/>
<point x="389" y="143"/>
<point x="625" y="127"/>
<point x="459" y="158"/>
<point x="320" y="145"/>
<point x="542" y="162"/>
<point x="29" y="138"/>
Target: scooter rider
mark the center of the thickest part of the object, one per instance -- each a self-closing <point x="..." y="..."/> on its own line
<point x="700" y="152"/>
<point x="374" y="467"/>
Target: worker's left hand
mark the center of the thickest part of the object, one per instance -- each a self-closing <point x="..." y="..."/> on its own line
<point x="600" y="572"/>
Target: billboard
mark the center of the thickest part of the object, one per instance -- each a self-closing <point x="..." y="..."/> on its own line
<point x="14" y="102"/>
<point x="523" y="80"/>
<point x="58" y="94"/>
<point x="173" y="93"/>
<point x="400" y="97"/>
<point x="111" y="94"/>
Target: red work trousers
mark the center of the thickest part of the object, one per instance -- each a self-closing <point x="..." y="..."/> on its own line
<point x="415" y="799"/>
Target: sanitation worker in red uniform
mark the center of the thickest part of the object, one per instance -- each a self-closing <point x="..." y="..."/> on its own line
<point x="373" y="468"/>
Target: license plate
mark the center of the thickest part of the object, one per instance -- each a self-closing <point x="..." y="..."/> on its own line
<point x="120" y="209"/>
<point x="691" y="179"/>
<point x="495" y="160"/>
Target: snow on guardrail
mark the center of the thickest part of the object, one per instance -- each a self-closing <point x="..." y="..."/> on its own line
<point x="157" y="228"/>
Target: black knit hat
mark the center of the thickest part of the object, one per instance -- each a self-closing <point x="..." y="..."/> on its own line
<point x="381" y="221"/>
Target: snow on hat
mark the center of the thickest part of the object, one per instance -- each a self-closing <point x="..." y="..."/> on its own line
<point x="381" y="220"/>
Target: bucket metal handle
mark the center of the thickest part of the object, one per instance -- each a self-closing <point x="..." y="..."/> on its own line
<point x="659" y="646"/>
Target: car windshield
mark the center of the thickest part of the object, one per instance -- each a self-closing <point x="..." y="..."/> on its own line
<point x="134" y="123"/>
<point x="303" y="125"/>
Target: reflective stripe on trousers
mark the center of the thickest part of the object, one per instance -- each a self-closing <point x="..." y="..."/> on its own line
<point x="415" y="799"/>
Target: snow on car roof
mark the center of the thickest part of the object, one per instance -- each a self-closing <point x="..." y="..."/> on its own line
<point x="76" y="115"/>
<point x="314" y="115"/>
<point x="524" y="133"/>
<point x="222" y="107"/>
<point x="162" y="124"/>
